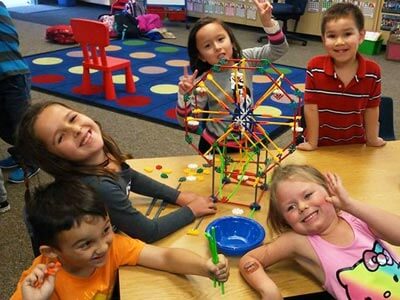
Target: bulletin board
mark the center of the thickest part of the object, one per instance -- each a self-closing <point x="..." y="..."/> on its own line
<point x="168" y="3"/>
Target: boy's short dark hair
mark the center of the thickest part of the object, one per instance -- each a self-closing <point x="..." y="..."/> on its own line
<point x="59" y="206"/>
<point x="340" y="10"/>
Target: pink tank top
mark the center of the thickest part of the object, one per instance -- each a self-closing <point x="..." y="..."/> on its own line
<point x="366" y="269"/>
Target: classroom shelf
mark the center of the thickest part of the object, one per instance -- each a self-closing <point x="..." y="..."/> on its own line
<point x="244" y="12"/>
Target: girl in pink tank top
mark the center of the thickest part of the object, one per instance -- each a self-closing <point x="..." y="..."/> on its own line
<point x="338" y="239"/>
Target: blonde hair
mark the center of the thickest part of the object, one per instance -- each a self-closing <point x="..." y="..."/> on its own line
<point x="304" y="173"/>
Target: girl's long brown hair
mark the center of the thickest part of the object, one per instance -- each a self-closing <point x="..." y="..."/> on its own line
<point x="35" y="150"/>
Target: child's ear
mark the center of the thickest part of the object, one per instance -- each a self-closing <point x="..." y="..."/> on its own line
<point x="48" y="251"/>
<point x="362" y="36"/>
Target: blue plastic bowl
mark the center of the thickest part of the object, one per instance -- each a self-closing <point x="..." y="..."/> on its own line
<point x="237" y="235"/>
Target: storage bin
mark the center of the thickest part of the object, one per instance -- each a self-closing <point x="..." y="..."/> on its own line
<point x="67" y="2"/>
<point x="177" y="15"/>
<point x="393" y="48"/>
<point x="158" y="10"/>
<point x="370" y="47"/>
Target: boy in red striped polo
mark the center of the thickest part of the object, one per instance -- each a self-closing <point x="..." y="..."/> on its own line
<point x="343" y="89"/>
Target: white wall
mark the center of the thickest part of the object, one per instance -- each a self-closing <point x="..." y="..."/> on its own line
<point x="14" y="3"/>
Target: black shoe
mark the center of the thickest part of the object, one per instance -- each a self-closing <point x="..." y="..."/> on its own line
<point x="4" y="206"/>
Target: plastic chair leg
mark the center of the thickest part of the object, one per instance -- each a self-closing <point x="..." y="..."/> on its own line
<point x="129" y="83"/>
<point x="108" y="83"/>
<point x="86" y="84"/>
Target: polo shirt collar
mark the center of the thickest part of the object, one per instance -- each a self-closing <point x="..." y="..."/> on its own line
<point x="329" y="68"/>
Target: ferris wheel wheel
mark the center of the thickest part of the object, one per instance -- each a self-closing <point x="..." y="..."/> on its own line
<point x="243" y="122"/>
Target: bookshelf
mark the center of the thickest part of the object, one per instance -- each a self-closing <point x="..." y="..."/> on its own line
<point x="389" y="17"/>
<point x="244" y="12"/>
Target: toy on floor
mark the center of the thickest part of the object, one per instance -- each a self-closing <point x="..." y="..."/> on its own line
<point x="245" y="126"/>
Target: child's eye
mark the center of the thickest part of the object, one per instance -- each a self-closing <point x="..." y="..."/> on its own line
<point x="307" y="196"/>
<point x="107" y="230"/>
<point x="73" y="117"/>
<point x="291" y="207"/>
<point x="85" y="245"/>
<point x="60" y="138"/>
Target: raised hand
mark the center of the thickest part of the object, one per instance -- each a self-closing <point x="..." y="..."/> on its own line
<point x="187" y="81"/>
<point x="39" y="285"/>
<point x="339" y="196"/>
<point x="264" y="8"/>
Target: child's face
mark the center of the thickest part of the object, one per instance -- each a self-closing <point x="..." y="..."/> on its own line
<point x="70" y="135"/>
<point x="213" y="43"/>
<point x="303" y="206"/>
<point x="341" y="39"/>
<point x="86" y="246"/>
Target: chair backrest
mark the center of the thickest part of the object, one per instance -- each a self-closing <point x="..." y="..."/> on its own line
<point x="386" y="127"/>
<point x="299" y="4"/>
<point x="93" y="36"/>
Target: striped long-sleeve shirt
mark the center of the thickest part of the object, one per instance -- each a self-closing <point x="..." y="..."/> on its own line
<point x="272" y="51"/>
<point x="11" y="61"/>
<point x="341" y="108"/>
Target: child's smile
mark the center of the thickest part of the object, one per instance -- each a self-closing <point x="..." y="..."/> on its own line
<point x="85" y="246"/>
<point x="70" y="135"/>
<point x="342" y="38"/>
<point x="310" y="217"/>
<point x="304" y="206"/>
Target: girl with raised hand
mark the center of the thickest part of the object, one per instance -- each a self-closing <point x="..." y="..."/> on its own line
<point x="339" y="240"/>
<point x="210" y="41"/>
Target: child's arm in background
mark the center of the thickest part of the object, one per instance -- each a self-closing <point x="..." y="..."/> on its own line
<point x="312" y="123"/>
<point x="184" y="106"/>
<point x="371" y="123"/>
<point x="199" y="205"/>
<point x="182" y="261"/>
<point x="265" y="11"/>
<point x="382" y="223"/>
<point x="277" y="45"/>
<point x="252" y="265"/>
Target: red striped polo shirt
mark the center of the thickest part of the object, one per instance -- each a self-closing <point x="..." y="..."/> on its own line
<point x="341" y="108"/>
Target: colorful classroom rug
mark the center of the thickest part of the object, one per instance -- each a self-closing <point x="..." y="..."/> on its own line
<point x="156" y="68"/>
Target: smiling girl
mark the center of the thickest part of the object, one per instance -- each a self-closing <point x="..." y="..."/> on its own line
<point x="337" y="239"/>
<point x="71" y="146"/>
<point x="211" y="40"/>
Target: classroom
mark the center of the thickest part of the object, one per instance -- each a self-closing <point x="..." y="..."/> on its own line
<point x="370" y="174"/>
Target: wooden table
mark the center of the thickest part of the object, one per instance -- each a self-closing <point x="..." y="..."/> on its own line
<point x="370" y="174"/>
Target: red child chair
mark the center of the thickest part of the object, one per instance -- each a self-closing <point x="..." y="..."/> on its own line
<point x="93" y="36"/>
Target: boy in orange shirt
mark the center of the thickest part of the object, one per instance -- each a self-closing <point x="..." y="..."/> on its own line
<point x="80" y="253"/>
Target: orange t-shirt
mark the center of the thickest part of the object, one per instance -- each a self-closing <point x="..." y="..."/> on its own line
<point x="99" y="286"/>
